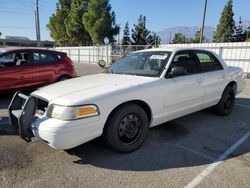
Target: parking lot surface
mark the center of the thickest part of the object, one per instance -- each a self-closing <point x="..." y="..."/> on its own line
<point x="201" y="149"/>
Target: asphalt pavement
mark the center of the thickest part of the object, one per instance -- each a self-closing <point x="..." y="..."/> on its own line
<point x="201" y="149"/>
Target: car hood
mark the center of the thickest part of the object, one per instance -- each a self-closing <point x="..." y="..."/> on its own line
<point x="73" y="91"/>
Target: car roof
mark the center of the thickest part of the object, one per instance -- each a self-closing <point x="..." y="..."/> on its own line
<point x="2" y="50"/>
<point x="174" y="49"/>
<point x="16" y="49"/>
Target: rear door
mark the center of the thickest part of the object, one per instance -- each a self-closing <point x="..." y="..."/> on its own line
<point x="15" y="70"/>
<point x="214" y="77"/>
<point x="24" y="62"/>
<point x="45" y="67"/>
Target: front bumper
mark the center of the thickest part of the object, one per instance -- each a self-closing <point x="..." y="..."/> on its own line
<point x="56" y="133"/>
<point x="67" y="134"/>
<point x="22" y="110"/>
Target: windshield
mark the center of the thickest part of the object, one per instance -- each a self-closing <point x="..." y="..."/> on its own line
<point x="141" y="63"/>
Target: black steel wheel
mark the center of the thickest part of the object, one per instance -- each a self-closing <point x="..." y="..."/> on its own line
<point x="130" y="129"/>
<point x="226" y="103"/>
<point x="126" y="129"/>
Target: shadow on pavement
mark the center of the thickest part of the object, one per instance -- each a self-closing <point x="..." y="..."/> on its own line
<point x="199" y="139"/>
<point x="6" y="128"/>
<point x="243" y="101"/>
<point x="153" y="155"/>
<point x="5" y="99"/>
<point x="193" y="140"/>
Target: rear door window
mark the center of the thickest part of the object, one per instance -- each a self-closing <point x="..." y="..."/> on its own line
<point x="208" y="61"/>
<point x="44" y="57"/>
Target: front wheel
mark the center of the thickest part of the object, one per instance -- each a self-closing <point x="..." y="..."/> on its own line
<point x="127" y="128"/>
<point x="226" y="103"/>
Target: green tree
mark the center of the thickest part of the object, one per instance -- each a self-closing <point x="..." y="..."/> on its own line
<point x="225" y="29"/>
<point x="179" y="38"/>
<point x="74" y="26"/>
<point x="247" y="34"/>
<point x="239" y="33"/>
<point x="153" y="39"/>
<point x="65" y="4"/>
<point x="197" y="37"/>
<point x="100" y="21"/>
<point x="189" y="40"/>
<point x="126" y="40"/>
<point x="56" y="24"/>
<point x="140" y="32"/>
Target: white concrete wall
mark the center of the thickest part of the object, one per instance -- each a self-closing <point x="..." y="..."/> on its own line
<point x="87" y="54"/>
<point x="234" y="54"/>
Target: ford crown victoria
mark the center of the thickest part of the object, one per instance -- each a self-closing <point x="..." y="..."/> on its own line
<point x="142" y="90"/>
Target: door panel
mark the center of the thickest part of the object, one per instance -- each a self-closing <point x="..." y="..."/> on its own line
<point x="213" y="82"/>
<point x="45" y="68"/>
<point x="10" y="78"/>
<point x="26" y="77"/>
<point x="188" y="94"/>
<point x="42" y="73"/>
<point x="214" y="77"/>
<point x="26" y="68"/>
<point x="15" y="71"/>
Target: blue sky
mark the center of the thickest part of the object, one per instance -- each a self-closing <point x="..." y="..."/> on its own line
<point x="17" y="16"/>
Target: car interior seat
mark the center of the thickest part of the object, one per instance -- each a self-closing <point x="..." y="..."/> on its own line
<point x="22" y="59"/>
<point x="18" y="59"/>
<point x="154" y="64"/>
<point x="25" y="59"/>
<point x="187" y="63"/>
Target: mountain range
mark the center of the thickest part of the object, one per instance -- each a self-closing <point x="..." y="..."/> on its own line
<point x="167" y="34"/>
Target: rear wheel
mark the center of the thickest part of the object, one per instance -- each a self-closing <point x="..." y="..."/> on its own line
<point x="63" y="78"/>
<point x="226" y="103"/>
<point x="127" y="128"/>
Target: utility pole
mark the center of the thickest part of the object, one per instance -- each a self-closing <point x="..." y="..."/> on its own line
<point x="203" y="20"/>
<point x="38" y="37"/>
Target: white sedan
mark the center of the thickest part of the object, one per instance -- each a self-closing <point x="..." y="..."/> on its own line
<point x="142" y="90"/>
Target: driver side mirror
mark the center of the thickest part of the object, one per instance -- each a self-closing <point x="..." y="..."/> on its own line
<point x="176" y="71"/>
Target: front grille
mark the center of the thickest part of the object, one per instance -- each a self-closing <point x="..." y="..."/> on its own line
<point x="42" y="106"/>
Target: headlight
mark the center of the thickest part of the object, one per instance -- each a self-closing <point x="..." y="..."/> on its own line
<point x="72" y="112"/>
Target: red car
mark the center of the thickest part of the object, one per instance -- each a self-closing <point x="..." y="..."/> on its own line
<point x="28" y="68"/>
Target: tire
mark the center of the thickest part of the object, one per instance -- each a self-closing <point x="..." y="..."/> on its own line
<point x="63" y="78"/>
<point x="226" y="103"/>
<point x="126" y="129"/>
